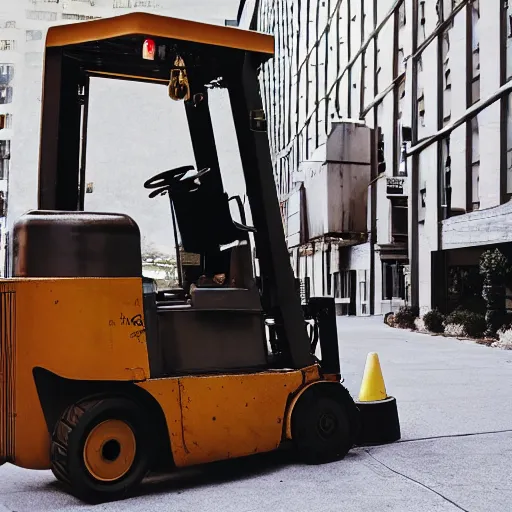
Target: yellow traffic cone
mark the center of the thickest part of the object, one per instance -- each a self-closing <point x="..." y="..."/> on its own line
<point x="378" y="411"/>
<point x="372" y="386"/>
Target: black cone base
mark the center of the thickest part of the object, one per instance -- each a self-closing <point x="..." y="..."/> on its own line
<point x="379" y="422"/>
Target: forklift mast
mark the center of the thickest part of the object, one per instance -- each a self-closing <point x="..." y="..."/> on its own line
<point x="72" y="57"/>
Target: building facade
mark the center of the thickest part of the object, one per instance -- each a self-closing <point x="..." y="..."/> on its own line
<point x="135" y="130"/>
<point x="429" y="82"/>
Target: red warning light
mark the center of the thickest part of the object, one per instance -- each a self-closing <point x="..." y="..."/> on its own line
<point x="148" y="49"/>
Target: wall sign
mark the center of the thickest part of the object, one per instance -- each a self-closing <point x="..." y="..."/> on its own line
<point x="395" y="186"/>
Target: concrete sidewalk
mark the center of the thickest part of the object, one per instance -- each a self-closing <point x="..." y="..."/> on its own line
<point x="450" y="394"/>
<point x="443" y="386"/>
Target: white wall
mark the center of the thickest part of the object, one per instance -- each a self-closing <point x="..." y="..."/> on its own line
<point x="458" y="107"/>
<point x="359" y="257"/>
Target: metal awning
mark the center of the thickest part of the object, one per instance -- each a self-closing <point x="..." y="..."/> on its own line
<point x="484" y="227"/>
<point x="391" y="252"/>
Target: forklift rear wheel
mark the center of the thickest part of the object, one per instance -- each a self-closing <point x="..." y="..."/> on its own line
<point x="100" y="448"/>
<point x="321" y="427"/>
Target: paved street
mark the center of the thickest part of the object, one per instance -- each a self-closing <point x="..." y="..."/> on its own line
<point x="456" y="453"/>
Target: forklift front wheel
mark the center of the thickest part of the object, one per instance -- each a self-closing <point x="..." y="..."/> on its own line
<point x="321" y="429"/>
<point x="100" y="449"/>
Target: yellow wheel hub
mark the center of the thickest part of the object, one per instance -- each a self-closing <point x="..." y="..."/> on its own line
<point x="109" y="450"/>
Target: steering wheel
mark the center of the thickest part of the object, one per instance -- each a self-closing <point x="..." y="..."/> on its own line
<point x="174" y="178"/>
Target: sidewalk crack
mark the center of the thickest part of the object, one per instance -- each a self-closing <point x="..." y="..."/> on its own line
<point x="452" y="436"/>
<point x="415" y="481"/>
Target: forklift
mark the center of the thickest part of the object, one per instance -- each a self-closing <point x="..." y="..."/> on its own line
<point x="103" y="376"/>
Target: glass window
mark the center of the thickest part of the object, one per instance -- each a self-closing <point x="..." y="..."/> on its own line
<point x="342" y="281"/>
<point x="509" y="39"/>
<point x="41" y="15"/>
<point x="4" y="168"/>
<point x="34" y="35"/>
<point x="7" y="118"/>
<point x="446" y="167"/>
<point x="5" y="155"/>
<point x="147" y="4"/>
<point x="7" y="44"/>
<point x="401" y="15"/>
<point x="447" y="85"/>
<point x="476" y="53"/>
<point x="399" y="219"/>
<point x="509" y="145"/>
<point x="398" y="127"/>
<point x="475" y="163"/>
<point x="381" y="154"/>
<point x="5" y="94"/>
<point x="78" y="17"/>
<point x="6" y="73"/>
<point x="422" y="34"/>
<point x="5" y="149"/>
<point x="393" y="280"/>
<point x="3" y="204"/>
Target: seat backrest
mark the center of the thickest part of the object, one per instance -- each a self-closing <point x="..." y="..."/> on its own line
<point x="241" y="273"/>
<point x="203" y="214"/>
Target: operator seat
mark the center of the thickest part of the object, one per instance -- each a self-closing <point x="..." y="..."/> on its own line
<point x="221" y="330"/>
<point x="242" y="293"/>
<point x="241" y="270"/>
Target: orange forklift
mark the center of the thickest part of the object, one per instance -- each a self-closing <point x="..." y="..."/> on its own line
<point x="103" y="376"/>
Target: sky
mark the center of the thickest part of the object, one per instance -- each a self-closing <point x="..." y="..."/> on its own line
<point x="135" y="130"/>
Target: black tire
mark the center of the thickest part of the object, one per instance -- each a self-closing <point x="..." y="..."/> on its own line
<point x="324" y="424"/>
<point x="74" y="431"/>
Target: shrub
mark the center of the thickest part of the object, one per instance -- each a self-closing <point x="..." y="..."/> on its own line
<point x="476" y="325"/>
<point x="405" y="317"/>
<point x="458" y="316"/>
<point x="434" y="321"/>
<point x="473" y="323"/>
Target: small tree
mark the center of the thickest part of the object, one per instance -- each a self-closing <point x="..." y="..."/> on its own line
<point x="434" y="321"/>
<point x="494" y="268"/>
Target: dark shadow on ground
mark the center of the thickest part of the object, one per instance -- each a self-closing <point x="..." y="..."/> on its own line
<point x="234" y="470"/>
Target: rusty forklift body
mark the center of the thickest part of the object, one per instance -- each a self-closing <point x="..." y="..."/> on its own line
<point x="103" y="376"/>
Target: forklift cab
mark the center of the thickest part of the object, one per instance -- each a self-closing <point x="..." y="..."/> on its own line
<point x="223" y="317"/>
